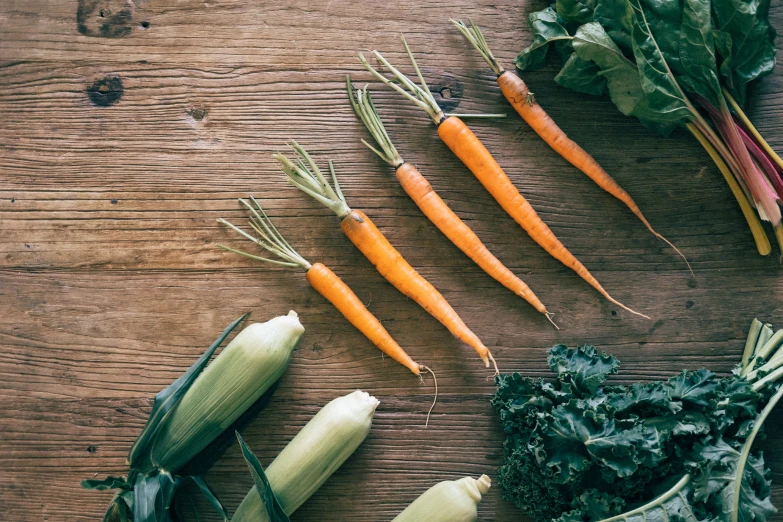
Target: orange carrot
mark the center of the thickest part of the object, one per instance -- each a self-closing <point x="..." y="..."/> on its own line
<point x="345" y="300"/>
<point x="467" y="147"/>
<point x="421" y="192"/>
<point x="306" y="176"/>
<point x="324" y="281"/>
<point x="524" y="102"/>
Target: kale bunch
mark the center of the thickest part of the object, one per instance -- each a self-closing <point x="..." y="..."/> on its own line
<point x="577" y="449"/>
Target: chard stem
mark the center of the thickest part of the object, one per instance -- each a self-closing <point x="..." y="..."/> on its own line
<point x="756" y="134"/>
<point x="759" y="235"/>
<point x="746" y="450"/>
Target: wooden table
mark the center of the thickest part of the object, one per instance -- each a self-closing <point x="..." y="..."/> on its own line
<point x="111" y="284"/>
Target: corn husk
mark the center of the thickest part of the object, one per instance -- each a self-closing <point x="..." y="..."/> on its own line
<point x="448" y="501"/>
<point x="313" y="455"/>
<point x="238" y="376"/>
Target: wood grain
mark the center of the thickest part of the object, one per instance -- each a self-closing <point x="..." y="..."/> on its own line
<point x="110" y="283"/>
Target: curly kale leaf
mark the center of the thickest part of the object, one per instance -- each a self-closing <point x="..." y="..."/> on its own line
<point x="584" y="368"/>
<point x="714" y="469"/>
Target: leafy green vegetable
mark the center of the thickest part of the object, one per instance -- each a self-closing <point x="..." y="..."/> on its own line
<point x="547" y="27"/>
<point x="663" y="62"/>
<point x="747" y="42"/>
<point x="578" y="449"/>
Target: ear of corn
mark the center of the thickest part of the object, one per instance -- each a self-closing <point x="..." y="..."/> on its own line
<point x="238" y="376"/>
<point x="447" y="501"/>
<point x="313" y="455"/>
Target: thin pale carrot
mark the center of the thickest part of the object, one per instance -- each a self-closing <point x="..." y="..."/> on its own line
<point x="468" y="148"/>
<point x="323" y="280"/>
<point x="524" y="102"/>
<point x="431" y="204"/>
<point x="307" y="177"/>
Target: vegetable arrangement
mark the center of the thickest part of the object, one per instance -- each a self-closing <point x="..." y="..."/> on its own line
<point x="524" y="102"/>
<point x="421" y="192"/>
<point x="323" y="280"/>
<point x="194" y="412"/>
<point x="578" y="449"/>
<point x="305" y="175"/>
<point x="467" y="147"/>
<point x="676" y="64"/>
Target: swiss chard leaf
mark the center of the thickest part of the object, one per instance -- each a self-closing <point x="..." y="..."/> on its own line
<point x="576" y="11"/>
<point x="592" y="43"/>
<point x="268" y="498"/>
<point x="582" y="76"/>
<point x="747" y="42"/>
<point x="167" y="398"/>
<point x="547" y="28"/>
<point x="697" y="51"/>
<point x="664" y="102"/>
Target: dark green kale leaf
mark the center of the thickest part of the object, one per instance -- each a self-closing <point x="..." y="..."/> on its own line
<point x="575" y="437"/>
<point x="643" y="400"/>
<point x="584" y="368"/>
<point x="695" y="388"/>
<point x="579" y="450"/>
<point x="593" y="504"/>
<point x="714" y="469"/>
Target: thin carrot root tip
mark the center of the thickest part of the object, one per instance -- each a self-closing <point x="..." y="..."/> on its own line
<point x="434" y="400"/>
<point x="659" y="236"/>
<point x="549" y="316"/>
<point x="494" y="364"/>
<point x="621" y="305"/>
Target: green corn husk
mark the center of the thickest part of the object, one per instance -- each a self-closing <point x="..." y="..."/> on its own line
<point x="238" y="376"/>
<point x="313" y="455"/>
<point x="448" y="501"/>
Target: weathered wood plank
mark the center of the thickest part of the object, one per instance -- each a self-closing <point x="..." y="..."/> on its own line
<point x="110" y="284"/>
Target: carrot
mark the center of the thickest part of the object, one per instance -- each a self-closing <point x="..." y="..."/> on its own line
<point x="305" y="175"/>
<point x="421" y="192"/>
<point x="467" y="147"/>
<point x="324" y="281"/>
<point x="524" y="102"/>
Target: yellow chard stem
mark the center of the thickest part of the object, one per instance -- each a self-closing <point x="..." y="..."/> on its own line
<point x="759" y="235"/>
